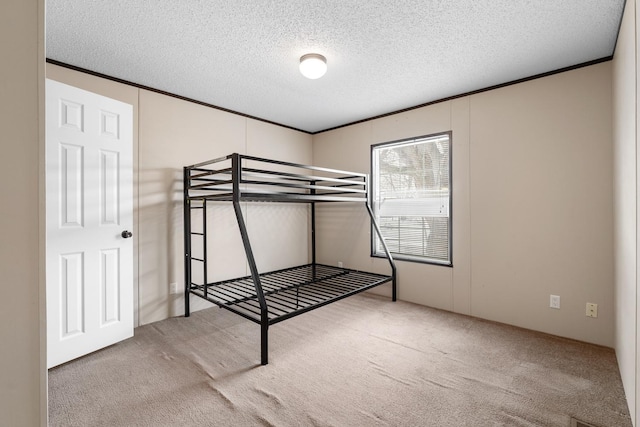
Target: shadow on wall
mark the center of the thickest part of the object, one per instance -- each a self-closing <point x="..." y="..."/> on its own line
<point x="159" y="210"/>
<point x="343" y="234"/>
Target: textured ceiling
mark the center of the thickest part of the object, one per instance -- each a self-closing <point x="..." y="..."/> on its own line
<point x="382" y="56"/>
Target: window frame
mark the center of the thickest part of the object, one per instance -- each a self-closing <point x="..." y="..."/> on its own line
<point x="372" y="185"/>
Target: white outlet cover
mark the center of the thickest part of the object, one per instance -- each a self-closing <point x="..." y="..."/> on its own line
<point x="554" y="301"/>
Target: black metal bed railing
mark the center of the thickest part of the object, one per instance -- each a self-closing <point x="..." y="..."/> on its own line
<point x="214" y="180"/>
<point x="271" y="297"/>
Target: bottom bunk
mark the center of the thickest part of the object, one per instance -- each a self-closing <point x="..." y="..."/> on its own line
<point x="288" y="292"/>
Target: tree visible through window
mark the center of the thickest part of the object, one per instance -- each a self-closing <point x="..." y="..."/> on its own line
<point x="411" y="193"/>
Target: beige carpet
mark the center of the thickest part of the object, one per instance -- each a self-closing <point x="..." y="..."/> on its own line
<point x="364" y="361"/>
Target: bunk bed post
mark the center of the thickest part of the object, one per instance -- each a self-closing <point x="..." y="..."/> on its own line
<point x="186" y="207"/>
<point x="236" y="171"/>
<point x="313" y="230"/>
<point x="205" y="279"/>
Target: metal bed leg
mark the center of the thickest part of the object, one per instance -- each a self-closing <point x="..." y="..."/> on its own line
<point x="186" y="207"/>
<point x="394" y="292"/>
<point x="264" y="343"/>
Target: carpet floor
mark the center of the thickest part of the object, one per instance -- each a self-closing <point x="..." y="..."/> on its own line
<point x="363" y="361"/>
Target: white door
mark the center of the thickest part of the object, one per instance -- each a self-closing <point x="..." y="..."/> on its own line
<point x="89" y="205"/>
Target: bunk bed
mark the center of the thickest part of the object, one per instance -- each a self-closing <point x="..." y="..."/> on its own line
<point x="271" y="297"/>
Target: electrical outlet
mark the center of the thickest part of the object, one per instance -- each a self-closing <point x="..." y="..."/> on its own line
<point x="592" y="310"/>
<point x="340" y="265"/>
<point x="173" y="288"/>
<point x="554" y="301"/>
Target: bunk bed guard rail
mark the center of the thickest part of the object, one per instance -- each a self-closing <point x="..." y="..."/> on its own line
<point x="269" y="298"/>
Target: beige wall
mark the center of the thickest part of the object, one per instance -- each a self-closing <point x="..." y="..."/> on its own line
<point x="22" y="353"/>
<point x="532" y="203"/>
<point x="168" y="134"/>
<point x="625" y="110"/>
<point x="541" y="204"/>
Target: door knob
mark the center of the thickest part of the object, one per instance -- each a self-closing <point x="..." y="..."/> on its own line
<point x="126" y="234"/>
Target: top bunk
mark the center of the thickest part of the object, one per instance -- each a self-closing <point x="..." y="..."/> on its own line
<point x="238" y="178"/>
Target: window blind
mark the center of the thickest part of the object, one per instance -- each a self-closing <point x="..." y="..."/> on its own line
<point x="411" y="197"/>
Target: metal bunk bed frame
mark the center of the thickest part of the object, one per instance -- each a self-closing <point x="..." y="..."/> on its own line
<point x="272" y="297"/>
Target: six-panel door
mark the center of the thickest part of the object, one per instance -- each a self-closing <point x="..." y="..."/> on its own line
<point x="89" y="204"/>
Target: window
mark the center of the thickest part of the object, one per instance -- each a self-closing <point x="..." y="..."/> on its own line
<point x="411" y="194"/>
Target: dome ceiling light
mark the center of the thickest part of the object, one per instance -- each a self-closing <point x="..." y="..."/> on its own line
<point x="313" y="65"/>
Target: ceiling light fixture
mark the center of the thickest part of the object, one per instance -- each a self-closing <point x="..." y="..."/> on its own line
<point x="313" y="65"/>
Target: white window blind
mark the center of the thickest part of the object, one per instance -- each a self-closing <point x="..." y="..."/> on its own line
<point x="411" y="192"/>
